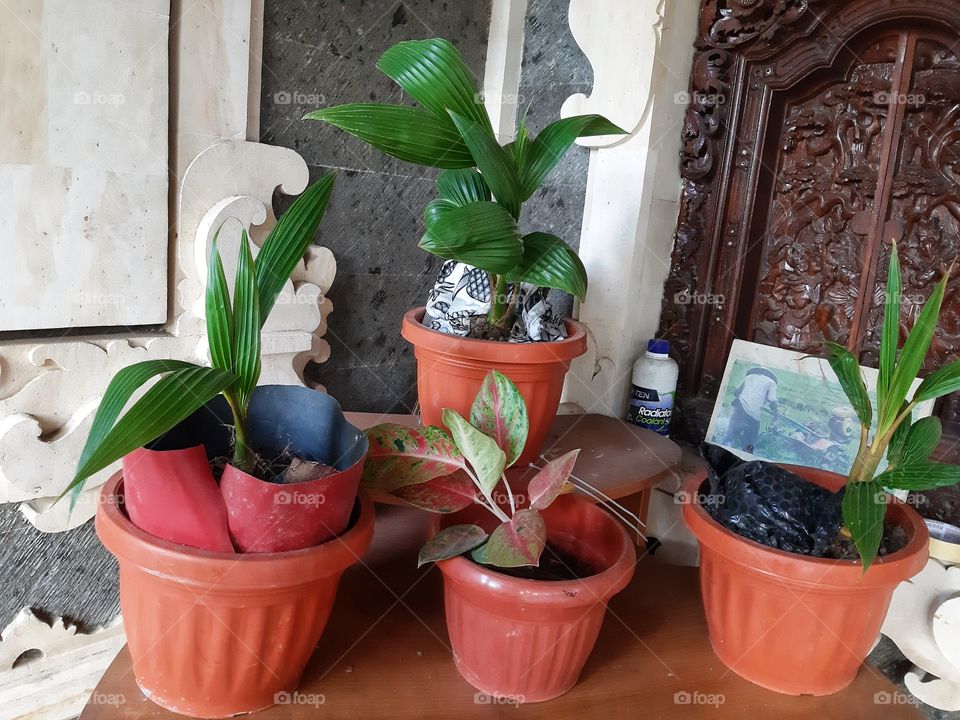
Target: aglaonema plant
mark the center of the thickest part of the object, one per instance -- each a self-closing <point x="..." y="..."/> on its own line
<point x="233" y="334"/>
<point x="483" y="185"/>
<point x="445" y="472"/>
<point x="907" y="445"/>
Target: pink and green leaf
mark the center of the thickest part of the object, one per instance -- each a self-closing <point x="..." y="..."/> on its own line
<point x="516" y="543"/>
<point x="500" y="412"/>
<point x="401" y="456"/>
<point x="547" y="484"/>
<point x="450" y="542"/>
<point x="446" y="494"/>
<point x="485" y="456"/>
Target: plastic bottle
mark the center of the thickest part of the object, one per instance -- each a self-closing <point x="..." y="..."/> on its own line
<point x="654" y="385"/>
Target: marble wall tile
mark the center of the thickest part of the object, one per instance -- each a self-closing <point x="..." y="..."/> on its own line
<point x="83" y="163"/>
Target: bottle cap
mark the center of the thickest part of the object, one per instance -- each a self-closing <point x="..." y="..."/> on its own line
<point x="658" y="347"/>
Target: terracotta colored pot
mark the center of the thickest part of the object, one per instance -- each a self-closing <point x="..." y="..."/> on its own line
<point x="450" y="370"/>
<point x="791" y="623"/>
<point x="528" y="640"/>
<point x="216" y="634"/>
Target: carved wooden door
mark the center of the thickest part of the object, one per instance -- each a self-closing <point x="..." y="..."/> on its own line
<point x="817" y="133"/>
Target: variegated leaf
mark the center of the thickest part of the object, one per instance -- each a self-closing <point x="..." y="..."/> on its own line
<point x="549" y="482"/>
<point x="516" y="543"/>
<point x="401" y="455"/>
<point x="446" y="494"/>
<point x="450" y="542"/>
<point x="500" y="412"/>
<point x="484" y="455"/>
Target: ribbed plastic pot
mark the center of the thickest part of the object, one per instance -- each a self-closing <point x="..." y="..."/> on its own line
<point x="450" y="370"/>
<point x="791" y="623"/>
<point x="527" y="640"/>
<point x="216" y="634"/>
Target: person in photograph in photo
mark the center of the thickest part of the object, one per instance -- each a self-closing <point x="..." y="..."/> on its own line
<point x="757" y="392"/>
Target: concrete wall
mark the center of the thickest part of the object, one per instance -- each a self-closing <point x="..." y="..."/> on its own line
<point x="327" y="57"/>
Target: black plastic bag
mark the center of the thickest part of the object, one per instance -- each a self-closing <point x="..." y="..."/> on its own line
<point x="765" y="503"/>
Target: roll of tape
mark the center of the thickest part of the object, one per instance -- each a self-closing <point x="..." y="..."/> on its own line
<point x="944" y="541"/>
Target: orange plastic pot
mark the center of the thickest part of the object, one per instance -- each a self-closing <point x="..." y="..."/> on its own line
<point x="216" y="634"/>
<point x="527" y="640"/>
<point x="791" y="623"/>
<point x="450" y="370"/>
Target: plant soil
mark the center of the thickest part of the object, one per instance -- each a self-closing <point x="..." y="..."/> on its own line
<point x="282" y="469"/>
<point x="555" y="564"/>
<point x="483" y="329"/>
<point x="894" y="538"/>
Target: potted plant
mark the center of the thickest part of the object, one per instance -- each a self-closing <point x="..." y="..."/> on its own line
<point x="527" y="575"/>
<point x="474" y="220"/>
<point x="800" y="624"/>
<point x="230" y="494"/>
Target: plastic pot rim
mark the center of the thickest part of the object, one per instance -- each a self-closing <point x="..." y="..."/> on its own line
<point x="129" y="543"/>
<point x="822" y="573"/>
<point x="570" y="347"/>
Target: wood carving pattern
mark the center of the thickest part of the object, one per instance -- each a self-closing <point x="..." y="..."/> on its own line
<point x="829" y="161"/>
<point x="786" y="173"/>
<point x="731" y="23"/>
<point x="926" y="195"/>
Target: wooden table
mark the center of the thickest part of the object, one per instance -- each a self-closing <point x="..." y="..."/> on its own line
<point x="385" y="654"/>
<point x="621" y="460"/>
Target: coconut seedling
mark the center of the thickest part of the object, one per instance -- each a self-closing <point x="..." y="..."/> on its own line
<point x="907" y="445"/>
<point x="233" y="333"/>
<point x="445" y="472"/>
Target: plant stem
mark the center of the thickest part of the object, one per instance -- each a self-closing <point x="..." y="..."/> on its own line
<point x="489" y="504"/>
<point x="241" y="450"/>
<point x="869" y="457"/>
<point x="498" y="302"/>
<point x="513" y="505"/>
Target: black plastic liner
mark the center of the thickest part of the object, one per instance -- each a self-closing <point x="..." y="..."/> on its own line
<point x="765" y="503"/>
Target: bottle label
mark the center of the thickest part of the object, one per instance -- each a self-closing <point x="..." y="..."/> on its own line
<point x="649" y="409"/>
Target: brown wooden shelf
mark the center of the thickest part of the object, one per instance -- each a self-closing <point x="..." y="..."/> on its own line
<point x="385" y="654"/>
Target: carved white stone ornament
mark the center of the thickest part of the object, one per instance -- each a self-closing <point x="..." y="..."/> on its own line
<point x="640" y="53"/>
<point x="615" y="35"/>
<point x="47" y="671"/>
<point x="924" y="622"/>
